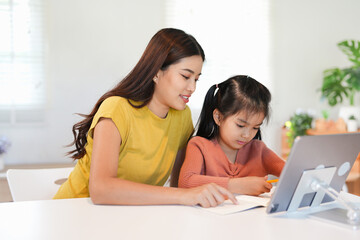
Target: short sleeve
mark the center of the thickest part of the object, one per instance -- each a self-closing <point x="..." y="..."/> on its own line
<point x="115" y="109"/>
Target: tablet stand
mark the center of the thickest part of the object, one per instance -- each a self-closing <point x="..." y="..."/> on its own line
<point x="318" y="181"/>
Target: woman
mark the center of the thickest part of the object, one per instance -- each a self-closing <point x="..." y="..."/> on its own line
<point x="127" y="145"/>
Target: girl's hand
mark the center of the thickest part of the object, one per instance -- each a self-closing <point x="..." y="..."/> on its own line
<point x="249" y="185"/>
<point x="209" y="195"/>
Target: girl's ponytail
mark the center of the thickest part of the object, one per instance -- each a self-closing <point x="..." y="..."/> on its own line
<point x="206" y="126"/>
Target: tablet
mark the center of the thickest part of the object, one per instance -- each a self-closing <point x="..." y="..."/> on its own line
<point x="338" y="151"/>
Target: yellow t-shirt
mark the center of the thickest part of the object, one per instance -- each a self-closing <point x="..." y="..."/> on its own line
<point x="148" y="149"/>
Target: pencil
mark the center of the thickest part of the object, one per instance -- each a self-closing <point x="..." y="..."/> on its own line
<point x="272" y="180"/>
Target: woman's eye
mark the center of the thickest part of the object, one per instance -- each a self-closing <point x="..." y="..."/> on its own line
<point x="240" y="126"/>
<point x="185" y="77"/>
<point x="256" y="129"/>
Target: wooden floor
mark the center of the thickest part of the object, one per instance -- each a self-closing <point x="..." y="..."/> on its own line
<point x="5" y="195"/>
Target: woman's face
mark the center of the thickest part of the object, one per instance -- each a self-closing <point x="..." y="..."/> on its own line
<point x="174" y="86"/>
<point x="237" y="130"/>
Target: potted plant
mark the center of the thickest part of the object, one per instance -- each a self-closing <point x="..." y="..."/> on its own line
<point x="339" y="84"/>
<point x="323" y="123"/>
<point x="352" y="125"/>
<point x="297" y="126"/>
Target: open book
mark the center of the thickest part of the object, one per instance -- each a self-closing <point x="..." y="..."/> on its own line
<point x="245" y="202"/>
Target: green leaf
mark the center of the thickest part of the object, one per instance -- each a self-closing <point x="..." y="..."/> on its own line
<point x="352" y="49"/>
<point x="334" y="85"/>
<point x="353" y="77"/>
<point x="343" y="83"/>
<point x="325" y="114"/>
<point x="297" y="125"/>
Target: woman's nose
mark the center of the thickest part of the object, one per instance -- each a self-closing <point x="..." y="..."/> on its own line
<point x="192" y="86"/>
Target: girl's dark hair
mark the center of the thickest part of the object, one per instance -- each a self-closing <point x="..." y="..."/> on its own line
<point x="236" y="94"/>
<point x="167" y="47"/>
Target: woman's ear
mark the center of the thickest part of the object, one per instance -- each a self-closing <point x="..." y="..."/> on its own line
<point x="217" y="116"/>
<point x="157" y="76"/>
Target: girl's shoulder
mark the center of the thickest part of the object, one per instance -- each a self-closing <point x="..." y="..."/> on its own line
<point x="257" y="143"/>
<point x="197" y="140"/>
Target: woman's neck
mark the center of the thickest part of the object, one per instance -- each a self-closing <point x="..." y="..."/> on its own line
<point x="157" y="108"/>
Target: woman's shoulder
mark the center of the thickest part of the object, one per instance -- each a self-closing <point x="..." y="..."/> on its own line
<point x="115" y="100"/>
<point x="114" y="107"/>
<point x="115" y="103"/>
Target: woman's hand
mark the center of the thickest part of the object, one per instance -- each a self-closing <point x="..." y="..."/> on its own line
<point x="249" y="185"/>
<point x="208" y="195"/>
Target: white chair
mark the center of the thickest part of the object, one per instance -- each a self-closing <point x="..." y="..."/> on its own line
<point x="36" y="184"/>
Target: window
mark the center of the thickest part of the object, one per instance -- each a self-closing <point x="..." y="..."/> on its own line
<point x="22" y="87"/>
<point x="235" y="35"/>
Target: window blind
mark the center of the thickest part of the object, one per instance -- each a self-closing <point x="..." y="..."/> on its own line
<point x="22" y="81"/>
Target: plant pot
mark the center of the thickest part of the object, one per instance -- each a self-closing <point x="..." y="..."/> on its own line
<point x="346" y="112"/>
<point x="352" y="126"/>
<point x="323" y="125"/>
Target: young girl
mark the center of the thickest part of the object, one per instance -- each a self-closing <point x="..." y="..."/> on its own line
<point x="227" y="149"/>
<point x="126" y="147"/>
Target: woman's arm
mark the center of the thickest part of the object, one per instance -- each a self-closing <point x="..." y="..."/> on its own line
<point x="106" y="188"/>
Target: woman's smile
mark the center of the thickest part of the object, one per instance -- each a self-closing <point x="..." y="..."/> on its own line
<point x="185" y="98"/>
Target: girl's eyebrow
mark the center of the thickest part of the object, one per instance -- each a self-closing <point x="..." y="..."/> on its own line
<point x="244" y="121"/>
<point x="190" y="71"/>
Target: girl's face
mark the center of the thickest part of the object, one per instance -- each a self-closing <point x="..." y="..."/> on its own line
<point x="174" y="86"/>
<point x="237" y="130"/>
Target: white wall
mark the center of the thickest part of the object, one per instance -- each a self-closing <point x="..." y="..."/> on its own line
<point x="93" y="44"/>
<point x="305" y="34"/>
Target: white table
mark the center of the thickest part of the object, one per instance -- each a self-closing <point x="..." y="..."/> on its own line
<point x="81" y="219"/>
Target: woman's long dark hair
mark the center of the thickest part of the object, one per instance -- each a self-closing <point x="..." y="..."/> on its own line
<point x="236" y="94"/>
<point x="166" y="47"/>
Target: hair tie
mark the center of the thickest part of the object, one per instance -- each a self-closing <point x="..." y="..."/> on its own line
<point x="216" y="89"/>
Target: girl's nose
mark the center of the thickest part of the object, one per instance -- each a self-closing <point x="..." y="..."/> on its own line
<point x="245" y="133"/>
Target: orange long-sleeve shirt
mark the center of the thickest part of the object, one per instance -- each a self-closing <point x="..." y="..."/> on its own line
<point x="205" y="162"/>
